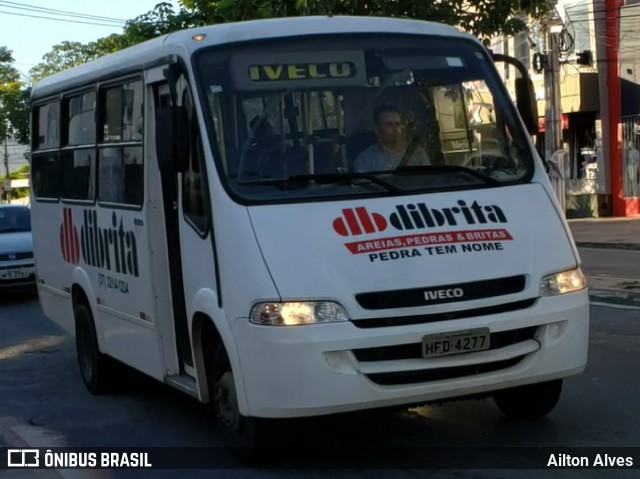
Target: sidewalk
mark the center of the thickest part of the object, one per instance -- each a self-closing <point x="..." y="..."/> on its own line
<point x="610" y="252"/>
<point x="618" y="233"/>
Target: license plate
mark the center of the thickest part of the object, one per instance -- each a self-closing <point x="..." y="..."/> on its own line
<point x="469" y="341"/>
<point x="14" y="274"/>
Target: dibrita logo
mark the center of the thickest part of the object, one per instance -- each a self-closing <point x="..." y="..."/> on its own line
<point x="110" y="247"/>
<point x="69" y="239"/>
<point x="357" y="221"/>
<point x="407" y="217"/>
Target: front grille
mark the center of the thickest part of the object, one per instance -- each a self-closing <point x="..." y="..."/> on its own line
<point x="15" y="256"/>
<point x="448" y="293"/>
<point x="414" y="350"/>
<point x="411" y="377"/>
<point x="447" y="316"/>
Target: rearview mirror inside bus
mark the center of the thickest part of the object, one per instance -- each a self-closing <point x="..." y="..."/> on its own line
<point x="172" y="139"/>
<point x="527" y="104"/>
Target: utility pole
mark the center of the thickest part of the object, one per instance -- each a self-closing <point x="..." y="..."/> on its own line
<point x="553" y="127"/>
<point x="612" y="36"/>
<point x="7" y="183"/>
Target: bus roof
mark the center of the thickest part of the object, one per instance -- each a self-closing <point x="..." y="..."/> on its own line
<point x="152" y="51"/>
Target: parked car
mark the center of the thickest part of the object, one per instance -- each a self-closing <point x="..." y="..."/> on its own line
<point x="17" y="268"/>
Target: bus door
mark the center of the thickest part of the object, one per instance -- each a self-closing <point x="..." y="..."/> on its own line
<point x="187" y="221"/>
<point x="163" y="97"/>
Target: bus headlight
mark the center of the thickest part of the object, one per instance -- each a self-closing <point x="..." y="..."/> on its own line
<point x="563" y="282"/>
<point x="293" y="314"/>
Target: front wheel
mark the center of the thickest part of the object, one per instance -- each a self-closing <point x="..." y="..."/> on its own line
<point x="95" y="367"/>
<point x="529" y="402"/>
<point x="247" y="437"/>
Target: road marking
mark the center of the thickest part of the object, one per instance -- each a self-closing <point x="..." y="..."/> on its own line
<point x="613" y="305"/>
<point x="10" y="439"/>
<point x="36" y="436"/>
<point x="30" y="346"/>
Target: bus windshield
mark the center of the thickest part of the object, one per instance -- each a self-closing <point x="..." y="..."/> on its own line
<point x="355" y="116"/>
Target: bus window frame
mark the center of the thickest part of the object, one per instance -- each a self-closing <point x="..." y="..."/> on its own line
<point x="102" y="86"/>
<point x="60" y="97"/>
<point x="198" y="136"/>
<point x="42" y="152"/>
<point x="64" y="135"/>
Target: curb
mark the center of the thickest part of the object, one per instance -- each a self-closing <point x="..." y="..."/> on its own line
<point x="615" y="296"/>
<point x="625" y="246"/>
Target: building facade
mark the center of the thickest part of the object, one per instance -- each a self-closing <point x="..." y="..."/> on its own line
<point x="599" y="46"/>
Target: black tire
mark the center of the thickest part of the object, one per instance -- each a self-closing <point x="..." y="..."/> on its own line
<point x="532" y="401"/>
<point x="246" y="437"/>
<point x="95" y="367"/>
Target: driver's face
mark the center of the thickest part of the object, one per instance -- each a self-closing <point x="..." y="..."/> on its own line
<point x="389" y="129"/>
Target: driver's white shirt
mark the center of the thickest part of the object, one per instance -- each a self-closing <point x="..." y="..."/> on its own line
<point x="376" y="158"/>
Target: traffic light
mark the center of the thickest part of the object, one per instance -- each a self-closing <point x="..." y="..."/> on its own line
<point x="540" y="62"/>
<point x="584" y="58"/>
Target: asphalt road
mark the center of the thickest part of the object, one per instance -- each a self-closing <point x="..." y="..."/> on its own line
<point x="613" y="262"/>
<point x="43" y="403"/>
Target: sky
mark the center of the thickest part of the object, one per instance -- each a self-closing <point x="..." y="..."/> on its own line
<point x="30" y="38"/>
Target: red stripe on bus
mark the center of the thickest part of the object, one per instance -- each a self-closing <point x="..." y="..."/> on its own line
<point x="66" y="221"/>
<point x="76" y="244"/>
<point x="352" y="221"/>
<point x="365" y="220"/>
<point x="62" y="241"/>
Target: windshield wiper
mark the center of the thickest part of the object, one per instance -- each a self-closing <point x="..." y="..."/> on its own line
<point x="437" y="169"/>
<point x="327" y="178"/>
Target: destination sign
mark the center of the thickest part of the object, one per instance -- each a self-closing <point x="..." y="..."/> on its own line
<point x="298" y="70"/>
<point x="302" y="71"/>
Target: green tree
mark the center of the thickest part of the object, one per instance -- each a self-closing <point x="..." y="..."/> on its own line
<point x="162" y="19"/>
<point x="14" y="111"/>
<point x="62" y="56"/>
<point x="70" y="54"/>
<point x="20" y="173"/>
<point x="483" y="18"/>
<point x="159" y="21"/>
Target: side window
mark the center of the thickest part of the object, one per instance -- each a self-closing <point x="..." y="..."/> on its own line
<point x="46" y="132"/>
<point x="120" y="153"/>
<point x="80" y="121"/>
<point x="78" y="174"/>
<point x="122" y="112"/>
<point x="121" y="175"/>
<point x="45" y="175"/>
<point x="79" y="143"/>
<point x="45" y="159"/>
<point x="195" y="198"/>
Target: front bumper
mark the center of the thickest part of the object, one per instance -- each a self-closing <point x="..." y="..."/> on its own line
<point x="314" y="369"/>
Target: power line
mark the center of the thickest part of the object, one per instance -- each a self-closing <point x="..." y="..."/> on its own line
<point x="573" y="7"/>
<point x="58" y="19"/>
<point x="20" y="6"/>
<point x="571" y="20"/>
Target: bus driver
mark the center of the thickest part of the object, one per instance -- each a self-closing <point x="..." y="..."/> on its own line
<point x="391" y="149"/>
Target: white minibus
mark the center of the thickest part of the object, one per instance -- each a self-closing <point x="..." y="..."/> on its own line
<point x="305" y="216"/>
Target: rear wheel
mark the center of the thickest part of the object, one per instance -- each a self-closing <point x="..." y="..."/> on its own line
<point x="95" y="367"/>
<point x="529" y="402"/>
<point x="245" y="436"/>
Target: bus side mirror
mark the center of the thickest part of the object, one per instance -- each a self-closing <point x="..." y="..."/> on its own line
<point x="527" y="104"/>
<point x="525" y="93"/>
<point x="172" y="139"/>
